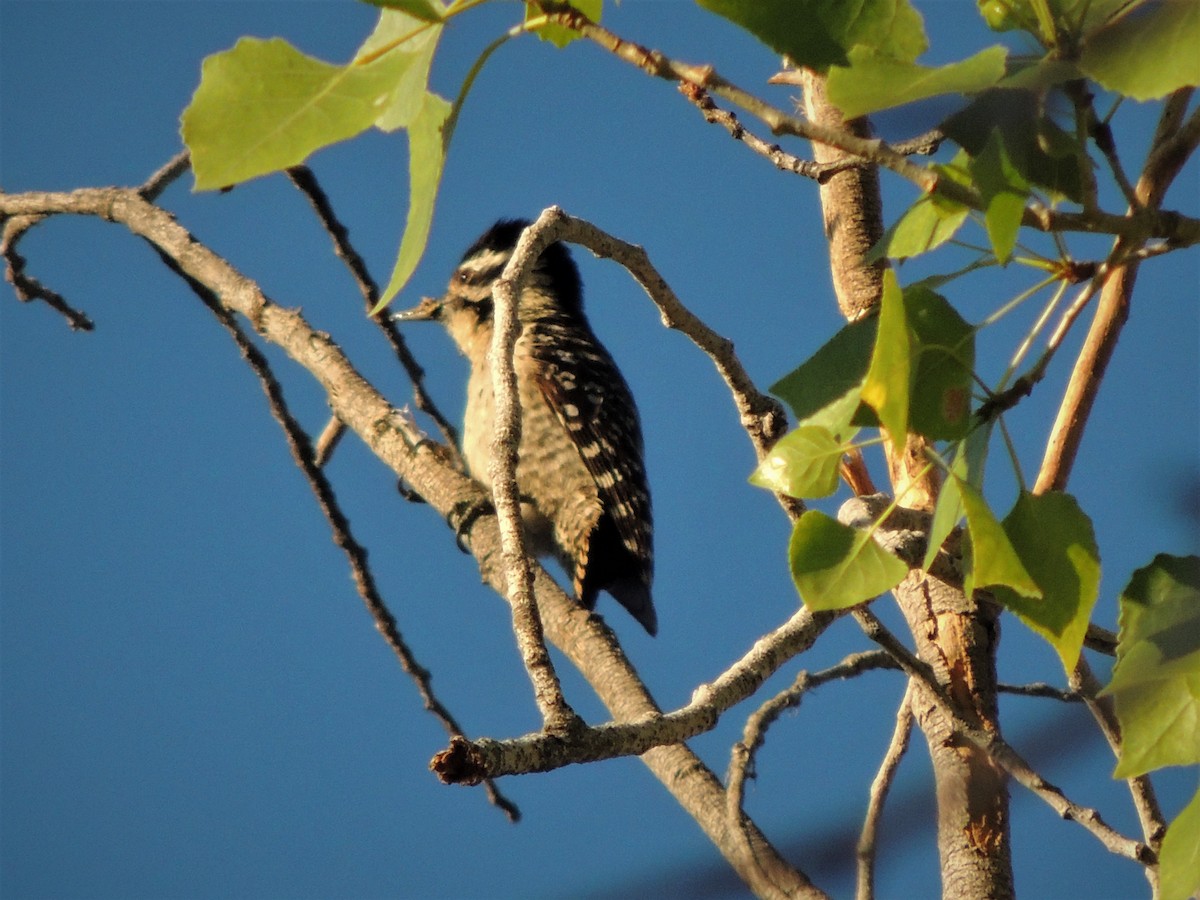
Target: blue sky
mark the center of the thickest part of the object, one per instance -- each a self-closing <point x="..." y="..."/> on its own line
<point x="195" y="704"/>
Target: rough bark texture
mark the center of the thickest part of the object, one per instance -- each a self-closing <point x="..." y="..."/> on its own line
<point x="955" y="636"/>
<point x="851" y="208"/>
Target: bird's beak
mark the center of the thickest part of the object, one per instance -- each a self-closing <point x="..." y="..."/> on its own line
<point x="430" y="308"/>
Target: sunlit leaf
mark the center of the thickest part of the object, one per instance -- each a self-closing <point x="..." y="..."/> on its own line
<point x="929" y="222"/>
<point x="873" y="81"/>
<point x="835" y="566"/>
<point x="803" y="463"/>
<point x="425" y="10"/>
<point x="264" y="106"/>
<point x="886" y="389"/>
<point x="404" y="36"/>
<point x="426" y="157"/>
<point x="1179" y="857"/>
<point x="429" y="139"/>
<point x="1056" y="544"/>
<point x="967" y="466"/>
<point x="1156" y="680"/>
<point x="993" y="560"/>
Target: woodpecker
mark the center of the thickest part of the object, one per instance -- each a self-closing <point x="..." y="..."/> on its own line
<point x="580" y="467"/>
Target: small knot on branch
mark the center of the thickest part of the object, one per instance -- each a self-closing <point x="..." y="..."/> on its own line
<point x="460" y="763"/>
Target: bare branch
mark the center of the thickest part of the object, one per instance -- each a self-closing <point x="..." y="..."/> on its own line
<point x="395" y="440"/>
<point x="1180" y="229"/>
<point x="1000" y="751"/>
<point x="26" y="286"/>
<point x="306" y="182"/>
<point x="742" y="757"/>
<point x="1141" y="790"/>
<point x="557" y="717"/>
<point x="356" y="555"/>
<point x="761" y="415"/>
<point x="1041" y="689"/>
<point x="782" y="160"/>
<point x="166" y="175"/>
<point x="1111" y="315"/>
<point x="1101" y="640"/>
<point x="878" y="796"/>
<point x="466" y="762"/>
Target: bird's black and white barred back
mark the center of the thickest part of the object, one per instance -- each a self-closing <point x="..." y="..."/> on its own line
<point x="580" y="464"/>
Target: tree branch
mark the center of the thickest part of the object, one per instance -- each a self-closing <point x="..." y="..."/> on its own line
<point x="467" y="762"/>
<point x="999" y="750"/>
<point x="865" y="889"/>
<point x="1181" y="230"/>
<point x="1162" y="165"/>
<point x="306" y="182"/>
<point x="557" y="717"/>
<point x="399" y="444"/>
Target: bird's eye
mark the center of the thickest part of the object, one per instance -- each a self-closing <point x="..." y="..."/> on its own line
<point x="462" y="277"/>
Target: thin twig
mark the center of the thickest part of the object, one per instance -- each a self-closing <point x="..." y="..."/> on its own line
<point x="557" y="715"/>
<point x="540" y="752"/>
<point x="302" y="454"/>
<point x="777" y="156"/>
<point x="394" y="438"/>
<point x="1101" y="640"/>
<point x="1001" y="751"/>
<point x="742" y="757"/>
<point x="165" y="176"/>
<point x="1182" y="230"/>
<point x="1141" y="790"/>
<point x="761" y="415"/>
<point x="25" y="286"/>
<point x="1041" y="689"/>
<point x="880" y="787"/>
<point x="306" y="182"/>
<point x="1023" y="386"/>
<point x="741" y="760"/>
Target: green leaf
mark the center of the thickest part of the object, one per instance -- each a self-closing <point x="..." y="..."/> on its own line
<point x="1004" y="192"/>
<point x="1156" y="680"/>
<point x="426" y="158"/>
<point x="944" y="342"/>
<point x="425" y="10"/>
<point x="1179" y="857"/>
<point x="412" y="39"/>
<point x="1055" y="541"/>
<point x="803" y="463"/>
<point x="873" y="81"/>
<point x="831" y="374"/>
<point x="835" y="566"/>
<point x="1148" y="53"/>
<point x="886" y="389"/>
<point x="264" y="106"/>
<point x="992" y="559"/>
<point x="559" y="35"/>
<point x="818" y="33"/>
<point x="929" y="222"/>
<point x="967" y="466"/>
<point x="428" y="139"/>
<point x="1042" y="152"/>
